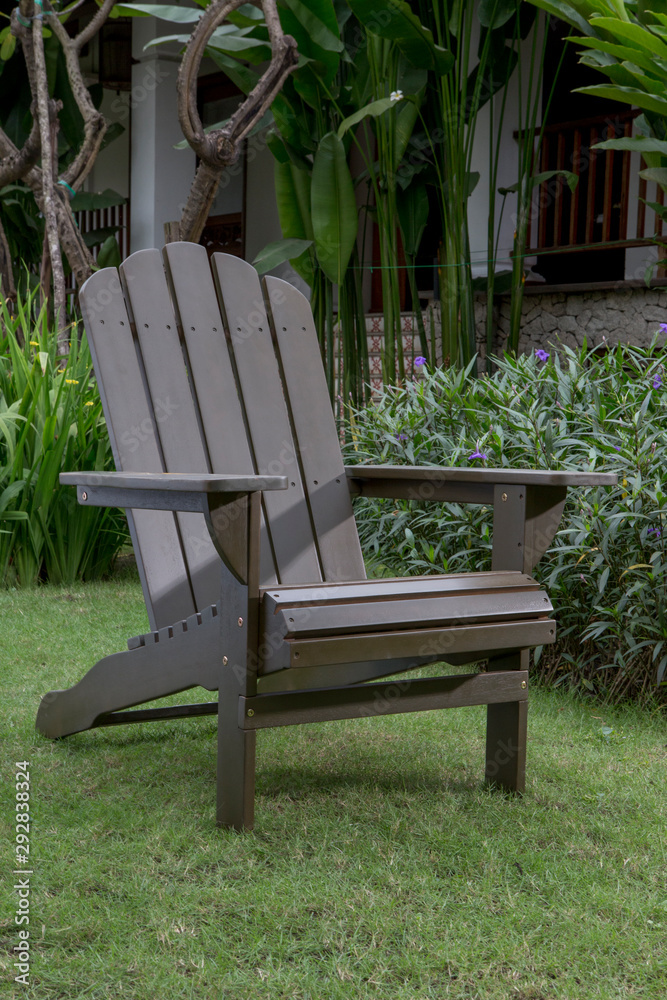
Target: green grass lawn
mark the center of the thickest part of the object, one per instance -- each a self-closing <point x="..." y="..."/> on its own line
<point x="379" y="867"/>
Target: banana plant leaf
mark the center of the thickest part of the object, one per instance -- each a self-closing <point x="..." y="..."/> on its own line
<point x="395" y="20"/>
<point x="334" y="208"/>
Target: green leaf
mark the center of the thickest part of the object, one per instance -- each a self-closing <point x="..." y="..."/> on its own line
<point x="334" y="209"/>
<point x="164" y="12"/>
<point x="628" y="95"/>
<point x="278" y="252"/>
<point x="293" y="201"/>
<point x="7" y="48"/>
<point x="87" y="201"/>
<point x="246" y="16"/>
<point x="637" y="35"/>
<point x="109" y="253"/>
<point x="395" y="20"/>
<point x="621" y="52"/>
<point x="660" y="210"/>
<point x="252" y="50"/>
<point x="244" y="77"/>
<point x="327" y="38"/>
<point x="413" y="212"/>
<point x="321" y="63"/>
<point x="494" y="13"/>
<point x="546" y="175"/>
<point x="114" y="130"/>
<point x="372" y="110"/>
<point x="406" y="116"/>
<point x="566" y="12"/>
<point x="101" y="235"/>
<point x="657" y="174"/>
<point x="635" y="144"/>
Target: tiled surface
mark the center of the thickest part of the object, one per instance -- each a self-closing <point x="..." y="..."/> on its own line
<point x="375" y="339"/>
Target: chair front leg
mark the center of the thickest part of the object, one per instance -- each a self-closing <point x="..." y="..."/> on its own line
<point x="506" y="733"/>
<point x="239" y="624"/>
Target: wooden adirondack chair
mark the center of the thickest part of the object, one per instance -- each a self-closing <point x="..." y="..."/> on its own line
<point x="239" y="506"/>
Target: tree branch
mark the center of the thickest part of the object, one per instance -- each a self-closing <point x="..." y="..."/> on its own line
<point x="219" y="148"/>
<point x="93" y="25"/>
<point x="94" y="123"/>
<point x="15" y="163"/>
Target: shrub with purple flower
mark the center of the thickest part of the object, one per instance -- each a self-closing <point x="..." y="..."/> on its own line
<point x="606" y="571"/>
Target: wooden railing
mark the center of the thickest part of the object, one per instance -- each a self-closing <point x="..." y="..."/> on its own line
<point x="118" y="218"/>
<point x="600" y="211"/>
<point x="107" y="218"/>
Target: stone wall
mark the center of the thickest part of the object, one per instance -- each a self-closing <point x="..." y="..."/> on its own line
<point x="631" y="314"/>
<point x="617" y="315"/>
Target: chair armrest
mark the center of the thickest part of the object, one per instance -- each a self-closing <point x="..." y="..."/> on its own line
<point x="527" y="503"/>
<point x="418" y="482"/>
<point x="165" y="490"/>
<point x="230" y="505"/>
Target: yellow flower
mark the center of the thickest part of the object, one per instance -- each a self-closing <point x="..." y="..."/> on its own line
<point x="34" y="343"/>
<point x="89" y="403"/>
<point x="72" y="381"/>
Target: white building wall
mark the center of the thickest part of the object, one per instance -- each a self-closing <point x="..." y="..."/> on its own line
<point x="112" y="166"/>
<point x="508" y="167"/>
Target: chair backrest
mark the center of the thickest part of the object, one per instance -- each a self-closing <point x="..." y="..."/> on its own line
<point x="202" y="371"/>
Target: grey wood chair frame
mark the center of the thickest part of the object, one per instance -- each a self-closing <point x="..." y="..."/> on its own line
<point x="323" y="672"/>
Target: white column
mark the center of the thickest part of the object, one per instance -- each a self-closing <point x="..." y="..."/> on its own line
<point x="161" y="175"/>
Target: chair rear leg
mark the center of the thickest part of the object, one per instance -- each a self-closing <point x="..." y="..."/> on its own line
<point x="169" y="661"/>
<point x="506" y="734"/>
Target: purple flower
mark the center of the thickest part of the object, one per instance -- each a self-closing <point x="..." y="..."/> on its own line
<point x="663" y="327"/>
<point x="401" y="437"/>
<point x="617" y="447"/>
<point x="657" y="382"/>
<point x="419" y="361"/>
<point x="582" y="577"/>
<point x="655" y="531"/>
<point x="541" y="355"/>
<point x="477" y="454"/>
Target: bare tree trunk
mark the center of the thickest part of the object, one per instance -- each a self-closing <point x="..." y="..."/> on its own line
<point x="61" y="232"/>
<point x="48" y="182"/>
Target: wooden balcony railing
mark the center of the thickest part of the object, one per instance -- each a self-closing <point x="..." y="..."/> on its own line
<point x="606" y="207"/>
<point x="117" y="217"/>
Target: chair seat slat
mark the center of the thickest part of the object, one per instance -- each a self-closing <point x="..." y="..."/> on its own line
<point x="374" y="616"/>
<point x="277" y="598"/>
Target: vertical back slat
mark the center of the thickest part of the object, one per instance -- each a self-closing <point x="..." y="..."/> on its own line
<point x="273" y="447"/>
<point x="119" y="378"/>
<point x="175" y="422"/>
<point x="315" y="429"/>
<point x="198" y="315"/>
